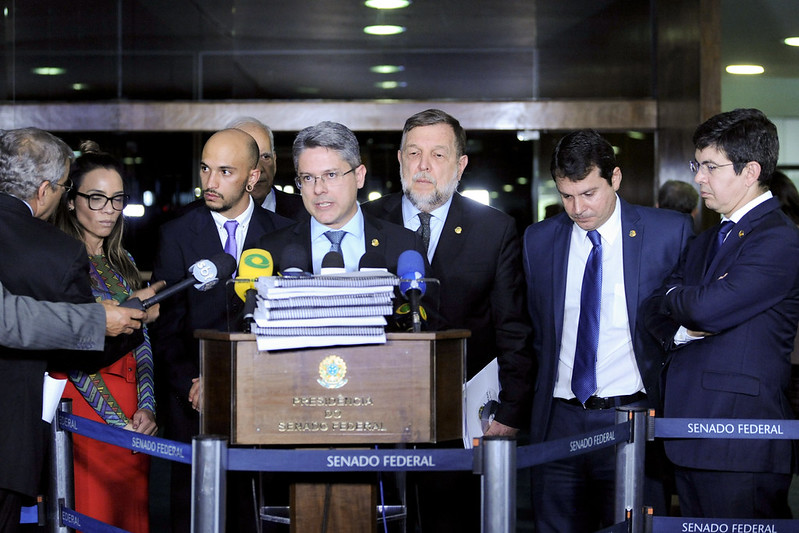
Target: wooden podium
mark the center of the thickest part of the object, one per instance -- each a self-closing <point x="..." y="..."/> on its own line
<point x="408" y="390"/>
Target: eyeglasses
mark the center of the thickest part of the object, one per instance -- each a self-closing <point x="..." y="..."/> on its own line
<point x="330" y="178"/>
<point x="67" y="185"/>
<point x="97" y="202"/>
<point x="705" y="168"/>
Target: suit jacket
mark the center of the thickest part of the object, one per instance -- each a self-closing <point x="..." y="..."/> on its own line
<point x="478" y="262"/>
<point x="40" y="261"/>
<point x="183" y="242"/>
<point x="653" y="240"/>
<point x="290" y="206"/>
<point x="389" y="240"/>
<point x="29" y="324"/>
<point x="749" y="297"/>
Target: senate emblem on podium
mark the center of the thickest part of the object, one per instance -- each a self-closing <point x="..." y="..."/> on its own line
<point x="332" y="370"/>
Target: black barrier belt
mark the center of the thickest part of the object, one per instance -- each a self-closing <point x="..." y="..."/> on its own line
<point x="725" y="428"/>
<point x="664" y="524"/>
<point x="166" y="449"/>
<point x="349" y="460"/>
<point x="86" y="524"/>
<point x="545" y="452"/>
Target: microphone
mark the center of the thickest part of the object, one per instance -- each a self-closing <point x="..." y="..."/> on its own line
<point x="205" y="272"/>
<point x="410" y="267"/>
<point x="333" y="263"/>
<point x="253" y="264"/>
<point x="293" y="260"/>
<point x="372" y="261"/>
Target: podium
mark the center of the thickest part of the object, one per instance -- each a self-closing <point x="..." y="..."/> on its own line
<point x="406" y="391"/>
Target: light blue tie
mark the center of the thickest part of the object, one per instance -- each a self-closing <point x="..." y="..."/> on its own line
<point x="230" y="244"/>
<point x="584" y="371"/>
<point x="335" y="238"/>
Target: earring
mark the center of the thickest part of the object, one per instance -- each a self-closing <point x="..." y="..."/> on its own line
<point x="249" y="187"/>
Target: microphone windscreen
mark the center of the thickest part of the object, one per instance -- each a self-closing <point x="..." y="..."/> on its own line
<point x="333" y="260"/>
<point x="410" y="267"/>
<point x="253" y="264"/>
<point x="225" y="265"/>
<point x="372" y="260"/>
<point x="293" y="256"/>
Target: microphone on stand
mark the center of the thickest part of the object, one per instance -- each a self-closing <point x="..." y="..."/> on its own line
<point x="333" y="263"/>
<point x="293" y="261"/>
<point x="410" y="267"/>
<point x="254" y="263"/>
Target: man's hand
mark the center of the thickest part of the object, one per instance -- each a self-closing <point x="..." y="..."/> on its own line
<point x="149" y="292"/>
<point x="121" y="320"/>
<point x="196" y="394"/>
<point x="498" y="429"/>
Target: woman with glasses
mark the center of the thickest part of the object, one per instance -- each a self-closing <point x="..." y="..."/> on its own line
<point x="111" y="483"/>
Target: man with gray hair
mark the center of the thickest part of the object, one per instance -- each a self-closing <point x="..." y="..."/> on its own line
<point x="264" y="192"/>
<point x="42" y="262"/>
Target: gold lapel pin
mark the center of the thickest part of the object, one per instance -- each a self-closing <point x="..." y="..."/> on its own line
<point x="633" y="233"/>
<point x="458" y="230"/>
<point x="375" y="242"/>
<point x="741" y="234"/>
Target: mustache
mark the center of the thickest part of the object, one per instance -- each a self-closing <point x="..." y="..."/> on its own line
<point x="215" y="192"/>
<point x="423" y="175"/>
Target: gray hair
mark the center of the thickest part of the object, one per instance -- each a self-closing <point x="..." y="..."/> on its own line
<point x="330" y="135"/>
<point x="237" y="122"/>
<point x="30" y="157"/>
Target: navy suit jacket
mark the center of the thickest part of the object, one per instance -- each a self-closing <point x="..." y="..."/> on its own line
<point x="183" y="242"/>
<point x="478" y="261"/>
<point x="653" y="240"/>
<point x="290" y="206"/>
<point x="749" y="297"/>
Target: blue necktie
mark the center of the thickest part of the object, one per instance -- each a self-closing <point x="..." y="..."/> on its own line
<point x="230" y="243"/>
<point x="724" y="229"/>
<point x="584" y="371"/>
<point x="335" y="238"/>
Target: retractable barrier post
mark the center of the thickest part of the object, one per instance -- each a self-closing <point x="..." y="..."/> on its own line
<point x="62" y="473"/>
<point x="630" y="468"/>
<point x="499" y="484"/>
<point x="208" y="483"/>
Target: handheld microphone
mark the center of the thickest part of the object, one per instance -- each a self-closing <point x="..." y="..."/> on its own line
<point x="333" y="263"/>
<point x="372" y="261"/>
<point x="253" y="264"/>
<point x="410" y="267"/>
<point x="205" y="274"/>
<point x="293" y="261"/>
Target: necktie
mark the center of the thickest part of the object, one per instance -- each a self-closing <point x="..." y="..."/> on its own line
<point x="230" y="244"/>
<point x="584" y="371"/>
<point x="424" y="229"/>
<point x="724" y="229"/>
<point x="335" y="238"/>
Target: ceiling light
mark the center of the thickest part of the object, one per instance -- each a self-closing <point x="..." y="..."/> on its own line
<point x="387" y="4"/>
<point x="745" y="69"/>
<point x="792" y="41"/>
<point x="386" y="69"/>
<point x="383" y="29"/>
<point x="49" y="71"/>
<point x="80" y="86"/>
<point x="390" y="84"/>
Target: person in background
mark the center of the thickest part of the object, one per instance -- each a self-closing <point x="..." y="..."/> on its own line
<point x="679" y="196"/>
<point x="111" y="483"/>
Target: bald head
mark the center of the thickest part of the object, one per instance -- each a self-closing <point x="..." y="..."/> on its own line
<point x="266" y="156"/>
<point x="228" y="171"/>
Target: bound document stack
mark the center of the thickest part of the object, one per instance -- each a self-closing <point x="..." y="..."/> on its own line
<point x="308" y="311"/>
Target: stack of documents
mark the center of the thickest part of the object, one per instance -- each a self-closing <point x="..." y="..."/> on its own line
<point x="307" y="311"/>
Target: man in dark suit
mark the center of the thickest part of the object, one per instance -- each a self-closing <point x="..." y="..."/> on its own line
<point x="42" y="262"/>
<point x="729" y="319"/>
<point x="474" y="251"/>
<point x="264" y="192"/>
<point x="327" y="160"/>
<point x="228" y="221"/>
<point x="637" y="248"/>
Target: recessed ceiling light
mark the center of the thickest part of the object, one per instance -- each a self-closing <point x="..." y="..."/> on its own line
<point x="390" y="84"/>
<point x="745" y="69"/>
<point x="387" y="4"/>
<point x="49" y="71"/>
<point x="386" y="69"/>
<point x="383" y="29"/>
<point x="792" y="41"/>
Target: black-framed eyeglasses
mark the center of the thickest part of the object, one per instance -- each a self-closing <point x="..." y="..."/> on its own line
<point x="97" y="201"/>
<point x="705" y="168"/>
<point x="329" y="178"/>
<point x="67" y="185"/>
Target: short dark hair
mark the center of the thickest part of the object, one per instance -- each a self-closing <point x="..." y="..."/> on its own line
<point x="785" y="191"/>
<point x="431" y="117"/>
<point x="579" y="152"/>
<point x="678" y="196"/>
<point x="743" y="135"/>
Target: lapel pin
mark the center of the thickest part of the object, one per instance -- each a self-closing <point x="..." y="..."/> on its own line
<point x="458" y="230"/>
<point x="633" y="233"/>
<point x="741" y="234"/>
<point x="375" y="242"/>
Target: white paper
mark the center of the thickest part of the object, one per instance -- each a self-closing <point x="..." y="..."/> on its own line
<point x="51" y="396"/>
<point x="480" y="393"/>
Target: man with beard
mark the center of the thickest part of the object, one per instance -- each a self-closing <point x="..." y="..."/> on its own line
<point x="264" y="193"/>
<point x="474" y="251"/>
<point x="230" y="222"/>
